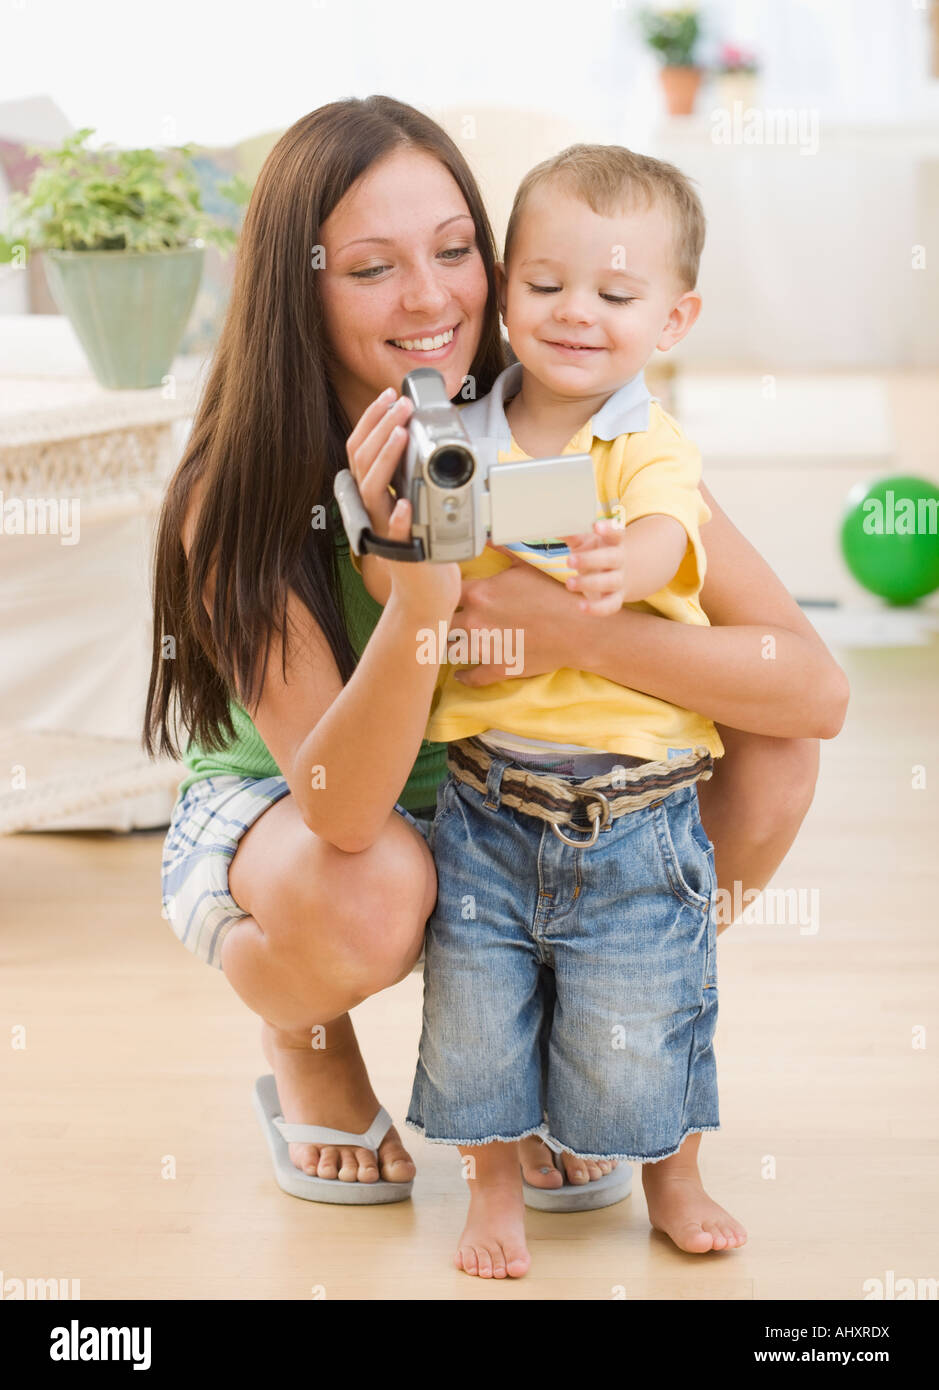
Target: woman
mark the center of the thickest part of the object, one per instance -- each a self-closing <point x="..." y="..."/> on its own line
<point x="291" y="865"/>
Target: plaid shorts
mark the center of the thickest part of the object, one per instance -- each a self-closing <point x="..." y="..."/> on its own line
<point x="207" y="823"/>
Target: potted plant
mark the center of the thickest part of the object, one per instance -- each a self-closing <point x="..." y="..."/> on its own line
<point x="673" y="35"/>
<point x="736" y="72"/>
<point x="122" y="234"/>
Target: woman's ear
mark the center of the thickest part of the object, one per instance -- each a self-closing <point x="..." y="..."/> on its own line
<point x="501" y="285"/>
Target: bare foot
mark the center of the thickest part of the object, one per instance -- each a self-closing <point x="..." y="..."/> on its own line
<point x="539" y="1165"/>
<point x="682" y="1210"/>
<point x="492" y="1245"/>
<point x="329" y="1086"/>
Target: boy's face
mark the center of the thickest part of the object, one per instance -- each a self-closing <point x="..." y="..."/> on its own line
<point x="587" y="299"/>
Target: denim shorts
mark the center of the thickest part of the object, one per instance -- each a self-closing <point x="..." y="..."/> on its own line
<point x="206" y="826"/>
<point x="568" y="992"/>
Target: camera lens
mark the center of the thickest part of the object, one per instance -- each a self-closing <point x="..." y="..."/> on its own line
<point x="450" y="467"/>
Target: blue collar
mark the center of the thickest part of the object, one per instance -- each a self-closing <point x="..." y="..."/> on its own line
<point x="626" y="412"/>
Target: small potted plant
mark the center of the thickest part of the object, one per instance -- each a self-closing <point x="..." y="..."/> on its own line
<point x="673" y="36"/>
<point x="122" y="234"/>
<point x="736" y="71"/>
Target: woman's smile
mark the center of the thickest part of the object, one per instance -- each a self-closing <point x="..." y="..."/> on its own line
<point x="428" y="345"/>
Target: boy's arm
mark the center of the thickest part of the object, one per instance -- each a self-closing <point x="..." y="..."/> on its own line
<point x="655" y="539"/>
<point x="655" y="547"/>
<point x="661" y="475"/>
<point x="617" y="565"/>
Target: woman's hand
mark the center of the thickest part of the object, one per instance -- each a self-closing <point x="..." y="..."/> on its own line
<point x="374" y="450"/>
<point x="523" y="598"/>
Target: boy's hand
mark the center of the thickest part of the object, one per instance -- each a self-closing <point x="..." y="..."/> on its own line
<point x="599" y="557"/>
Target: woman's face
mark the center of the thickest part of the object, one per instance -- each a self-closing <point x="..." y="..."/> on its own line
<point x="403" y="285"/>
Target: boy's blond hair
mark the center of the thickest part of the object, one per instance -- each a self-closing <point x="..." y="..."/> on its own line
<point x="609" y="179"/>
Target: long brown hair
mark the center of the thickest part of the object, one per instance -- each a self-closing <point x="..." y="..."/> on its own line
<point x="269" y="435"/>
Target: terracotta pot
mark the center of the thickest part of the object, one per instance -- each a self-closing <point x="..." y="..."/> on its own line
<point x="681" y="87"/>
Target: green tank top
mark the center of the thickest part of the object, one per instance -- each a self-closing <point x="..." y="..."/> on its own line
<point x="248" y="755"/>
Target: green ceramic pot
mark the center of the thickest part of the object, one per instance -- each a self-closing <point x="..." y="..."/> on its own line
<point x="129" y="308"/>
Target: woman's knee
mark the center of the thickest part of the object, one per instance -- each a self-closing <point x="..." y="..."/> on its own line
<point x="769" y="782"/>
<point x="798" y="763"/>
<point x="392" y="887"/>
<point x="358" y="917"/>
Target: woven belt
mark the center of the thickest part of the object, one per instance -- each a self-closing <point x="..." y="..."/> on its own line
<point x="554" y="798"/>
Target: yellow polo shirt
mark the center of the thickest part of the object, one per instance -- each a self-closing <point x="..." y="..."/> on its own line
<point x="650" y="471"/>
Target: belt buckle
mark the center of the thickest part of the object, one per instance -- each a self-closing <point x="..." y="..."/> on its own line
<point x="597" y="823"/>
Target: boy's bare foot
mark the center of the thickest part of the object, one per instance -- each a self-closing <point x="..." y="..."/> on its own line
<point x="680" y="1207"/>
<point x="330" y="1086"/>
<point x="492" y="1245"/>
<point x="539" y="1165"/>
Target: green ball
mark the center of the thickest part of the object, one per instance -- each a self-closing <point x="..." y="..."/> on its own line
<point x="890" y="538"/>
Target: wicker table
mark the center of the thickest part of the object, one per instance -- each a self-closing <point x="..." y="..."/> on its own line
<point x="75" y="642"/>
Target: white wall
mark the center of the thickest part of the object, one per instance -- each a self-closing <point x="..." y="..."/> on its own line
<point x="808" y="261"/>
<point x="216" y="72"/>
<point x="221" y="72"/>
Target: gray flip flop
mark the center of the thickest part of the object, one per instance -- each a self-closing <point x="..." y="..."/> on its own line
<point x="589" y="1196"/>
<point x="289" y="1177"/>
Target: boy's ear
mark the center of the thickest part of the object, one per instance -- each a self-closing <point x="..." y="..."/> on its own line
<point x="680" y="320"/>
<point x="501" y="283"/>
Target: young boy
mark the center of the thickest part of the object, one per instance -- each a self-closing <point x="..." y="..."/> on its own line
<point x="571" y="858"/>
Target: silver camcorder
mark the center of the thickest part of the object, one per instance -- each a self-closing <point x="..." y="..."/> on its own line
<point x="460" y="495"/>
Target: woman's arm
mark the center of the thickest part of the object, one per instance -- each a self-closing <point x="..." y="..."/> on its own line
<point x="346" y="751"/>
<point x="761" y="668"/>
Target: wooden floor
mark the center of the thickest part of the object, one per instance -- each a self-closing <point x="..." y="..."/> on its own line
<point x="136" y="1052"/>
